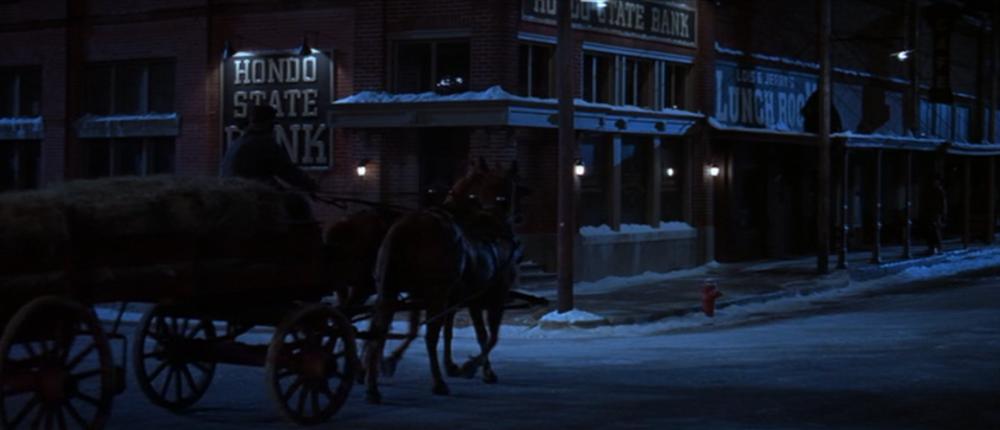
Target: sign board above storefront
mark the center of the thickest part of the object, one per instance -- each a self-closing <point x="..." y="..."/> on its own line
<point x="761" y="97"/>
<point x="299" y="87"/>
<point x="674" y="22"/>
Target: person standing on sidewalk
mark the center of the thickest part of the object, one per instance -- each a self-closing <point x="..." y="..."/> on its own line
<point x="935" y="210"/>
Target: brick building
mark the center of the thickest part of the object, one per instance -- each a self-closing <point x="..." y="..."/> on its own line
<point x="414" y="90"/>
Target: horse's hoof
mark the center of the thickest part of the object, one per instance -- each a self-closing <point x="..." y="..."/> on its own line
<point x="490" y="377"/>
<point x="452" y="370"/>
<point x="373" y="397"/>
<point x="469" y="369"/>
<point x="389" y="366"/>
<point x="441" y="390"/>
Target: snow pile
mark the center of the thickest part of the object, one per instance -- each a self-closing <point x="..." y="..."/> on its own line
<point x="953" y="265"/>
<point x="605" y="230"/>
<point x="614" y="283"/>
<point x="908" y="138"/>
<point x="494" y="93"/>
<point x="572" y="317"/>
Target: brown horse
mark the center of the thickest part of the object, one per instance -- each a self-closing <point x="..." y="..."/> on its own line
<point x="463" y="254"/>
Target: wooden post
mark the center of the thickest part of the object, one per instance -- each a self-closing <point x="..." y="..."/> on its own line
<point x="908" y="206"/>
<point x="615" y="184"/>
<point x="991" y="202"/>
<point x="966" y="202"/>
<point x="566" y="231"/>
<point x="823" y="169"/>
<point x="845" y="216"/>
<point x="913" y="70"/>
<point x="877" y="240"/>
<point x="77" y="33"/>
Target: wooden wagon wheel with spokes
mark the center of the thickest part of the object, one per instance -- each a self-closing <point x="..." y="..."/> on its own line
<point x="311" y="364"/>
<point x="168" y="358"/>
<point x="55" y="368"/>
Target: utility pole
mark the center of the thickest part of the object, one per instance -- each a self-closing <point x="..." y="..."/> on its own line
<point x="823" y="170"/>
<point x="566" y="217"/>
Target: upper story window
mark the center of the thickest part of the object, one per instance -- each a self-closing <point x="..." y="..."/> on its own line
<point x="130" y="88"/>
<point x="421" y="66"/>
<point x="537" y="63"/>
<point x="20" y="91"/>
<point x="633" y="81"/>
<point x="598" y="78"/>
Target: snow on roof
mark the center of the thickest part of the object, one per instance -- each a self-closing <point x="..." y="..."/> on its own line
<point x="605" y="230"/>
<point x="21" y="127"/>
<point x="804" y="64"/>
<point x="908" y="137"/>
<point x="126" y="118"/>
<point x="494" y="93"/>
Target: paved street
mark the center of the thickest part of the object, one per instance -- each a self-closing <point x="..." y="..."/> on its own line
<point x="921" y="357"/>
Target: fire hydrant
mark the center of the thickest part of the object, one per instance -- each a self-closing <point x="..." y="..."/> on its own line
<point x="709" y="293"/>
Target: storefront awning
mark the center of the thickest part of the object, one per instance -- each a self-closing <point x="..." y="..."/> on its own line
<point x="496" y="107"/>
<point x="21" y="128"/>
<point x="883" y="141"/>
<point x="981" y="149"/>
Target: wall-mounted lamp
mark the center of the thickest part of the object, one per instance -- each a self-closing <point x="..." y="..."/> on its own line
<point x="714" y="170"/>
<point x="579" y="169"/>
<point x="902" y="55"/>
<point x="305" y="49"/>
<point x="670" y="172"/>
<point x="362" y="168"/>
<point x="227" y="50"/>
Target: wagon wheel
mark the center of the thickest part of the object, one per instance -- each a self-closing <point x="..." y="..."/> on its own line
<point x="55" y="368"/>
<point x="312" y="350"/>
<point x="168" y="358"/>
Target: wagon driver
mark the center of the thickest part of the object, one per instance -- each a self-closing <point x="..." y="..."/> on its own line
<point x="256" y="155"/>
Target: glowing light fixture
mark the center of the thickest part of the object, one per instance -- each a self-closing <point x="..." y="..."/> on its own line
<point x="601" y="4"/>
<point x="902" y="55"/>
<point x="714" y="170"/>
<point x="362" y="168"/>
<point x="305" y="49"/>
<point x="670" y="172"/>
<point x="579" y="169"/>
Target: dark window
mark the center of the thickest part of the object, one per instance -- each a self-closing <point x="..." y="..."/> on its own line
<point x="535" y="75"/>
<point x="422" y="66"/>
<point x="671" y="181"/>
<point x="674" y="86"/>
<point x="20" y="91"/>
<point x="639" y="83"/>
<point x="134" y="87"/>
<point x="595" y="153"/>
<point x="635" y="179"/>
<point x="19" y="165"/>
<point x="598" y="78"/>
<point x="131" y="156"/>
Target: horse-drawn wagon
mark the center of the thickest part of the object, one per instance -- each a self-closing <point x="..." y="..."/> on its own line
<point x="214" y="258"/>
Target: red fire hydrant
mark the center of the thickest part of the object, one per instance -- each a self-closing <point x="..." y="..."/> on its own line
<point x="709" y="293"/>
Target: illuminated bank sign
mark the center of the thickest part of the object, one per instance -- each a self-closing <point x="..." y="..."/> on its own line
<point x="671" y="21"/>
<point x="760" y="97"/>
<point x="298" y="87"/>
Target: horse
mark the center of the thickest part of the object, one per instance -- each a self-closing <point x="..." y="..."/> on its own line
<point x="461" y="254"/>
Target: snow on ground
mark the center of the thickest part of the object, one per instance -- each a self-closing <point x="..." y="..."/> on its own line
<point x="614" y="283"/>
<point x="573" y="316"/>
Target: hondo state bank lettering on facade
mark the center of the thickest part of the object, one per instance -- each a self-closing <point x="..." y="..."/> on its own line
<point x="298" y="87"/>
<point x="668" y="21"/>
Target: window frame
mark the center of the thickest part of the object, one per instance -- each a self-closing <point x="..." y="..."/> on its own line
<point x="17" y="86"/>
<point x="394" y="83"/>
<point x="668" y="83"/>
<point x="145" y="89"/>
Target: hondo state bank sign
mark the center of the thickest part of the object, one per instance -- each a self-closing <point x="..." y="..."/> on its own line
<point x="299" y="87"/>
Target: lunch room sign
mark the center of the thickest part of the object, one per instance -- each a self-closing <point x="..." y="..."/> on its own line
<point x="664" y="20"/>
<point x="299" y="87"/>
